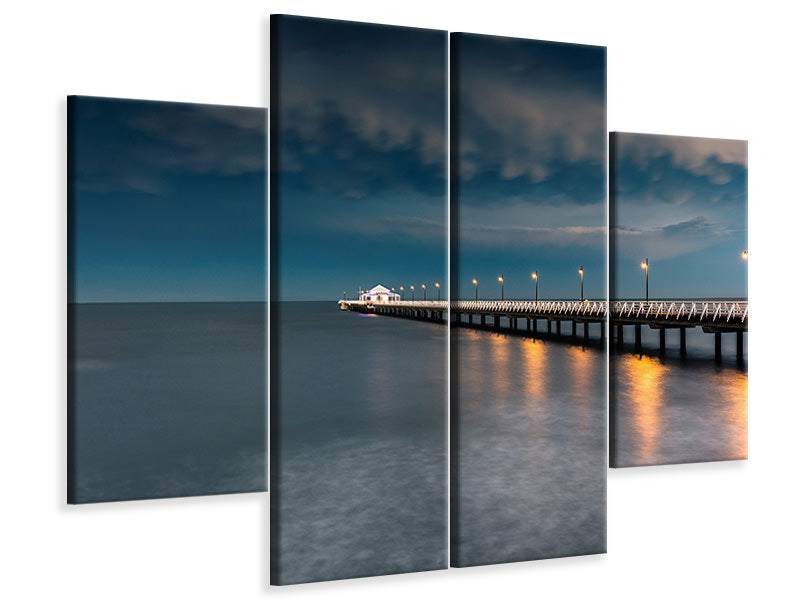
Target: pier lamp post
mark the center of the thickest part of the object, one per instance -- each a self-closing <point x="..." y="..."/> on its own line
<point x="424" y="292"/>
<point x="744" y="255"/>
<point x="475" y="281"/>
<point x="402" y="293"/>
<point x="581" y="272"/>
<point x="412" y="293"/>
<point x="438" y="292"/>
<point x="646" y="267"/>
<point x="535" y="277"/>
<point x="502" y="287"/>
<point x="344" y="295"/>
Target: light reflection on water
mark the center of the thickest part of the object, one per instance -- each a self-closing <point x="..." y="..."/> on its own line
<point x="582" y="360"/>
<point x="674" y="411"/>
<point x="532" y="455"/>
<point x="646" y="398"/>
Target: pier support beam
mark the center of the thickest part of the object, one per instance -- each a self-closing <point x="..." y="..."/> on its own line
<point x="602" y="331"/>
<point x="470" y="318"/>
<point x="483" y="320"/>
<point x="638" y="333"/>
<point x="534" y="327"/>
<point x="662" y="340"/>
<point x="574" y="326"/>
<point x="549" y="327"/>
<point x="717" y="346"/>
<point x="619" y="337"/>
<point x="497" y="322"/>
<point x="740" y="347"/>
<point x="528" y="324"/>
<point x="683" y="341"/>
<point x="558" y="328"/>
<point x="586" y="332"/>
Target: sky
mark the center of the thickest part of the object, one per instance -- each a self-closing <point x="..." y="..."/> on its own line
<point x="359" y="178"/>
<point x="681" y="203"/>
<point x="530" y="174"/>
<point x="167" y="202"/>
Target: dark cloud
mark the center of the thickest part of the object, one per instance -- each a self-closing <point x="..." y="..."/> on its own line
<point x="680" y="170"/>
<point x="417" y="229"/>
<point x="131" y="145"/>
<point x="522" y="238"/>
<point x="362" y="107"/>
<point x="531" y="120"/>
<point x="674" y="239"/>
<point x="167" y="202"/>
<point x="682" y="203"/>
<point x="360" y="111"/>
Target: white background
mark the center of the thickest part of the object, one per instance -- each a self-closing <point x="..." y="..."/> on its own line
<point x="723" y="69"/>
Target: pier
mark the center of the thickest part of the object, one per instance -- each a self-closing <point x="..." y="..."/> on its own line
<point x="713" y="316"/>
<point x="525" y="317"/>
<point x="434" y="311"/>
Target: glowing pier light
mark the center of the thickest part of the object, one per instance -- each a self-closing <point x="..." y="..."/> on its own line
<point x="646" y="267"/>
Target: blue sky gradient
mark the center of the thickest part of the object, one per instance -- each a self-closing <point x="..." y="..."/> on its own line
<point x="680" y="202"/>
<point x="531" y="150"/>
<point x="360" y="112"/>
<point x="168" y="201"/>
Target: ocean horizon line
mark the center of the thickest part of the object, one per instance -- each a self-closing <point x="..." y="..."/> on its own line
<point x="168" y="302"/>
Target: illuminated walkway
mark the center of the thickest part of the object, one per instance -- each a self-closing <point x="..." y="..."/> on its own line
<point x="713" y="316"/>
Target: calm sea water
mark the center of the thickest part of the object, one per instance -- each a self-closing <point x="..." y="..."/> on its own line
<point x="531" y="475"/>
<point x="359" y="480"/>
<point x="169" y="400"/>
<point x="670" y="409"/>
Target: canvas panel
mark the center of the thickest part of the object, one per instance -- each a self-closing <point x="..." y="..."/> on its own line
<point x="358" y="213"/>
<point x="678" y="285"/>
<point x="528" y="268"/>
<point x="166" y="313"/>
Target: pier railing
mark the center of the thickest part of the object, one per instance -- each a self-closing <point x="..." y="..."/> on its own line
<point x="689" y="311"/>
<point x="594" y="308"/>
<point x="421" y="304"/>
<point x="713" y="316"/>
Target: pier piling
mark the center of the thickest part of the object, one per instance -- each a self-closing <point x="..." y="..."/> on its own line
<point x="714" y="317"/>
<point x="740" y="347"/>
